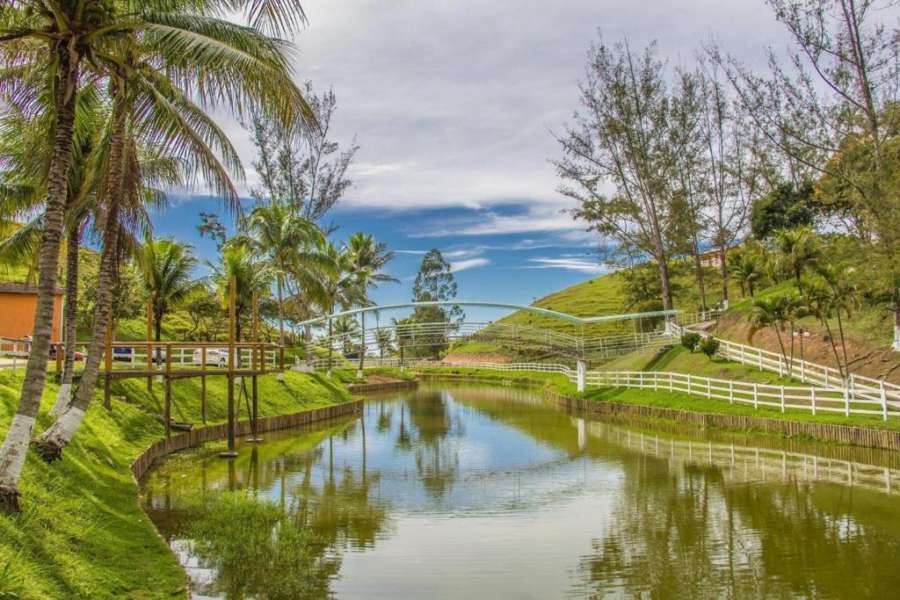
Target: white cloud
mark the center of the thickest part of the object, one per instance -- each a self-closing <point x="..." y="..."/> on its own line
<point x="569" y="264"/>
<point x="471" y="263"/>
<point x="533" y="219"/>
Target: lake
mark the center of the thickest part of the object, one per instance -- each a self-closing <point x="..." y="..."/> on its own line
<point x="465" y="491"/>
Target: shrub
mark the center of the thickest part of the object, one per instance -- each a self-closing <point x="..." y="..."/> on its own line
<point x="690" y="340"/>
<point x="709" y="346"/>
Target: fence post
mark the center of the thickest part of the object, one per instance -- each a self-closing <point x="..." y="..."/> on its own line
<point x="782" y="399"/>
<point x="884" y="406"/>
<point x="846" y="399"/>
<point x="708" y="387"/>
<point x="759" y="359"/>
<point x="813" y="400"/>
<point x="689" y="391"/>
<point x="670" y="381"/>
<point x="755" y="395"/>
<point x="582" y="375"/>
<point x="730" y="392"/>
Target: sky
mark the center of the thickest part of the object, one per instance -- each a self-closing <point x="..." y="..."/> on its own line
<point x="454" y="105"/>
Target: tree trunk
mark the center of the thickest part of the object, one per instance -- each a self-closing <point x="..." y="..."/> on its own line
<point x="70" y="318"/>
<point x="897" y="328"/>
<point x="330" y="347"/>
<point x="701" y="284"/>
<point x="15" y="445"/>
<point x="723" y="271"/>
<point x="664" y="282"/>
<point x="280" y="310"/>
<point x="50" y="444"/>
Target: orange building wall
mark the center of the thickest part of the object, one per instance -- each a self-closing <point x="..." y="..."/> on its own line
<point x="17" y="315"/>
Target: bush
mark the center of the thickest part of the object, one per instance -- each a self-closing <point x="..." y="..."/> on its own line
<point x="709" y="346"/>
<point x="690" y="340"/>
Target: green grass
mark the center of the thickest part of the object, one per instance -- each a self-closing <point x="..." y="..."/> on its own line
<point x="82" y="533"/>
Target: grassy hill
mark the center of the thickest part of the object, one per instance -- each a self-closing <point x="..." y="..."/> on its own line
<point x="82" y="533"/>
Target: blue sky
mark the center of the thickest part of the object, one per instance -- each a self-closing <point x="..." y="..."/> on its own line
<point x="454" y="106"/>
<point x="508" y="267"/>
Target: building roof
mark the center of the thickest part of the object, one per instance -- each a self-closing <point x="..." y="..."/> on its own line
<point x="10" y="287"/>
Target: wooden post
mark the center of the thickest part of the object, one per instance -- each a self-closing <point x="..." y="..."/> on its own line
<point x="149" y="344"/>
<point x="59" y="360"/>
<point x="203" y="384"/>
<point x="106" y="381"/>
<point x="254" y="329"/>
<point x="232" y="309"/>
<point x="168" y="391"/>
<point x="362" y="345"/>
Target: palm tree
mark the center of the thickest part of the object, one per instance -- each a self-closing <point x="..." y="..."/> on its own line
<point x="166" y="267"/>
<point x="367" y="261"/>
<point x="345" y="328"/>
<point x="385" y="341"/>
<point x="747" y="267"/>
<point x="799" y="250"/>
<point x="292" y="246"/>
<point x="834" y="295"/>
<point x="339" y="288"/>
<point x="252" y="275"/>
<point x="770" y="313"/>
<point x="160" y="62"/>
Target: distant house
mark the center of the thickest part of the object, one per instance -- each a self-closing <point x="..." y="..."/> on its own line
<point x="711" y="258"/>
<point x="18" y="302"/>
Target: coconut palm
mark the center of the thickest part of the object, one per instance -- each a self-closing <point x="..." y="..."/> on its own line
<point x="340" y="288"/>
<point x="748" y="268"/>
<point x="252" y="275"/>
<point x="834" y="294"/>
<point x="292" y="245"/>
<point x="45" y="48"/>
<point x="798" y="250"/>
<point x="367" y="261"/>
<point x="772" y="313"/>
<point x="160" y="63"/>
<point x="167" y="269"/>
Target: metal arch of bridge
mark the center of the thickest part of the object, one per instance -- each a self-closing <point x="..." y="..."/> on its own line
<point x="488" y="304"/>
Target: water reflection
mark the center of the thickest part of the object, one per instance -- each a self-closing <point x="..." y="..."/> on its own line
<point x="489" y="492"/>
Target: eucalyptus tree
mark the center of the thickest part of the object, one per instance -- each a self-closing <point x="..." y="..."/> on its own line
<point x="832" y="108"/>
<point x="166" y="267"/>
<point x="302" y="168"/>
<point x="621" y="139"/>
<point x="164" y="68"/>
<point x="291" y="244"/>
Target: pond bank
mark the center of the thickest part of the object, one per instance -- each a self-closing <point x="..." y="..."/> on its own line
<point x="82" y="532"/>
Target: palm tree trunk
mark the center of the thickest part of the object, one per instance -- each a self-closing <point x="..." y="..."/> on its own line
<point x="70" y="318"/>
<point x="330" y="347"/>
<point x="50" y="444"/>
<point x="280" y="310"/>
<point x="15" y="445"/>
<point x="843" y="342"/>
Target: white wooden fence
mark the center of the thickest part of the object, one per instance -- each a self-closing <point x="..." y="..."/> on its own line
<point x="784" y="397"/>
<point x="858" y="387"/>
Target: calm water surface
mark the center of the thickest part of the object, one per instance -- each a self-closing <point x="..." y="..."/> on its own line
<point x="487" y="492"/>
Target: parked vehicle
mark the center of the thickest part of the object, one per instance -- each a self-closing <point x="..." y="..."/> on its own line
<point x="53" y="349"/>
<point x="129" y="354"/>
<point x="217" y="357"/>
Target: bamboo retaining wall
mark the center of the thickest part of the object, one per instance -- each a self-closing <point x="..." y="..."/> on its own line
<point x="217" y="432"/>
<point x="366" y="388"/>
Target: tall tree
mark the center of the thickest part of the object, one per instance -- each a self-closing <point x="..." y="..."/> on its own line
<point x="167" y="269"/>
<point x="292" y="245"/>
<point x="207" y="59"/>
<point x="838" y="91"/>
<point x="622" y="138"/>
<point x="434" y="283"/>
<point x="303" y="169"/>
<point x="730" y="178"/>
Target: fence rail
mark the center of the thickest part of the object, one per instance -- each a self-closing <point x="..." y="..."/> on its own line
<point x="858" y="387"/>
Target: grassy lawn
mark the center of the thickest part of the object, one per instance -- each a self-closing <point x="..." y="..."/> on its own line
<point x="82" y="533"/>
